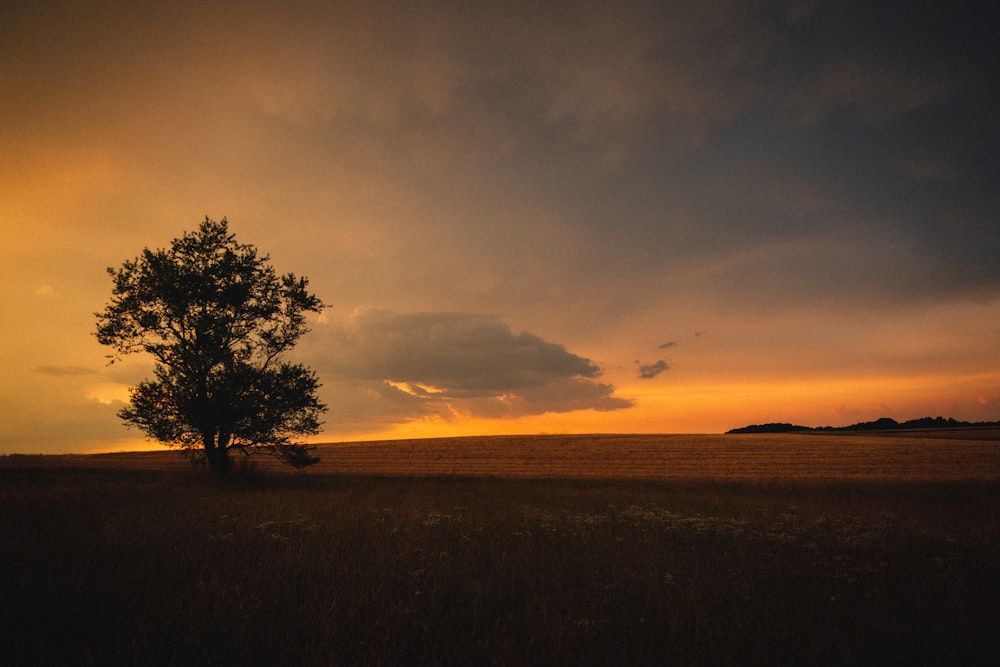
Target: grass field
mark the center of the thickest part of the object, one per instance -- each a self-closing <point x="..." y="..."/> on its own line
<point x="790" y="549"/>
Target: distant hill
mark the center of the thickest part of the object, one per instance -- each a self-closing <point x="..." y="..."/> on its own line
<point x="883" y="424"/>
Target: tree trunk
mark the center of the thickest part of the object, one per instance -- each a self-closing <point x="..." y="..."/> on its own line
<point x="217" y="456"/>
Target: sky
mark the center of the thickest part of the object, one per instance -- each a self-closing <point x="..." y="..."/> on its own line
<point x="566" y="217"/>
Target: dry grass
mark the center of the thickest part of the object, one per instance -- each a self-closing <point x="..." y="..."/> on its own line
<point x="697" y="550"/>
<point x="913" y="456"/>
<point x="722" y="457"/>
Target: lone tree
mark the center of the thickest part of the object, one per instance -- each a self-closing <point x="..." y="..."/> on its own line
<point x="216" y="318"/>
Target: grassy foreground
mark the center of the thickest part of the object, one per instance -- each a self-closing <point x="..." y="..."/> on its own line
<point x="118" y="566"/>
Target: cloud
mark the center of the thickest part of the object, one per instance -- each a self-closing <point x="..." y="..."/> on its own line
<point x="398" y="367"/>
<point x="667" y="345"/>
<point x="649" y="371"/>
<point x="873" y="92"/>
<point x="64" y="371"/>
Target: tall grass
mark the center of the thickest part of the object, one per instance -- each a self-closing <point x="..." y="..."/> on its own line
<point x="167" y="567"/>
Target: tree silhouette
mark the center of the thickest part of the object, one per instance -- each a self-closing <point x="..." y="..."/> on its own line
<point x="216" y="318"/>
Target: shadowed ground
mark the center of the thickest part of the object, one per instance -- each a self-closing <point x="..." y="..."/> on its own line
<point x="559" y="555"/>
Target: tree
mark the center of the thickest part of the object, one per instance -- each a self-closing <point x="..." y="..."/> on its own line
<point x="216" y="318"/>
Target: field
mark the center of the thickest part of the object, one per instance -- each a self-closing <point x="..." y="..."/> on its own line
<point x="757" y="549"/>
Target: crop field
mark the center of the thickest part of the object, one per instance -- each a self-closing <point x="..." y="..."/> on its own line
<point x="729" y="457"/>
<point x="929" y="455"/>
<point x="696" y="550"/>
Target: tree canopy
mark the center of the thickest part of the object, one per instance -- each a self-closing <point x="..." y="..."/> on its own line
<point x="216" y="318"/>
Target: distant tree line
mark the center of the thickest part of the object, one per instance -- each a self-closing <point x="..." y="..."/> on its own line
<point x="882" y="424"/>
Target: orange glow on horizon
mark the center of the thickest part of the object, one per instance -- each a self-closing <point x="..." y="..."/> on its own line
<point x="695" y="408"/>
<point x="716" y="407"/>
<point x="127" y="446"/>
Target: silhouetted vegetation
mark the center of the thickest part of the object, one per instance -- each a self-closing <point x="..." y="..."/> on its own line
<point x="770" y="428"/>
<point x="881" y="424"/>
<point x="216" y="318"/>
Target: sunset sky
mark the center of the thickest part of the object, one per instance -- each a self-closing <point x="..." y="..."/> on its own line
<point x="676" y="217"/>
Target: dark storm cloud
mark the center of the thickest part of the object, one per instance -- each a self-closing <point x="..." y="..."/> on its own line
<point x="444" y="363"/>
<point x="811" y="150"/>
<point x="467" y="353"/>
<point x="839" y="154"/>
<point x="649" y="371"/>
